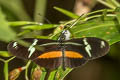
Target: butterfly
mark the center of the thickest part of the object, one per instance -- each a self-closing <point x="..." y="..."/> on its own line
<point x="69" y="53"/>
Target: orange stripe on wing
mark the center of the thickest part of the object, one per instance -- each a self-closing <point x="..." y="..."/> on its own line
<point x="72" y="54"/>
<point x="56" y="54"/>
<point x="52" y="54"/>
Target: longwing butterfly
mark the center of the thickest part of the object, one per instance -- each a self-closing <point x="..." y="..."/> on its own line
<point x="76" y="51"/>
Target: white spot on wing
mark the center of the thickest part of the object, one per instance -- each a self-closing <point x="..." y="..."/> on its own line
<point x="32" y="48"/>
<point x="85" y="41"/>
<point x="88" y="47"/>
<point x="15" y="44"/>
<point x="102" y="44"/>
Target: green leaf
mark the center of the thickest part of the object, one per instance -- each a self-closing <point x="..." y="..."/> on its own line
<point x="6" y="34"/>
<point x="41" y="37"/>
<point x="40" y="27"/>
<point x="61" y="74"/>
<point x="52" y="75"/>
<point x="24" y="32"/>
<point x="4" y="54"/>
<point x="21" y="23"/>
<point x="65" y="73"/>
<point x="43" y="74"/>
<point x="67" y="13"/>
<point x="109" y="29"/>
<point x="16" y="8"/>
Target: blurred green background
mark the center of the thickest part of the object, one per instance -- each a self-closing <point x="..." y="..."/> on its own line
<point x="105" y="68"/>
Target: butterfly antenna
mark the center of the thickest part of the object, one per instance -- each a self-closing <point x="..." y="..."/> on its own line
<point x="76" y="21"/>
<point x="45" y="19"/>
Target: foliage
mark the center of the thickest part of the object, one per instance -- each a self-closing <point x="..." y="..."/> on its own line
<point x="103" y="23"/>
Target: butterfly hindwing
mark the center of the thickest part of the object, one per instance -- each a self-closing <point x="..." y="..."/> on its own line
<point x="53" y="59"/>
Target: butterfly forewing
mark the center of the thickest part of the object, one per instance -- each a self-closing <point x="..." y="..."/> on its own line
<point x="89" y="47"/>
<point x="28" y="52"/>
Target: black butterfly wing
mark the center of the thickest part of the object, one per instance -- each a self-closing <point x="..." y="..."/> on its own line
<point x="24" y="52"/>
<point x="89" y="47"/>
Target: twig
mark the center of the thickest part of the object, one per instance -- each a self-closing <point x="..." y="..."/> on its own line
<point x="106" y="4"/>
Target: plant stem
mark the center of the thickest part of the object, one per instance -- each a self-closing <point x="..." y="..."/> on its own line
<point x="2" y="60"/>
<point x="98" y="16"/>
<point x="40" y="8"/>
<point x="116" y="3"/>
<point x="6" y="67"/>
<point x="10" y="59"/>
<point x="26" y="70"/>
<point x="106" y="4"/>
<point x="6" y="70"/>
<point x="108" y="10"/>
